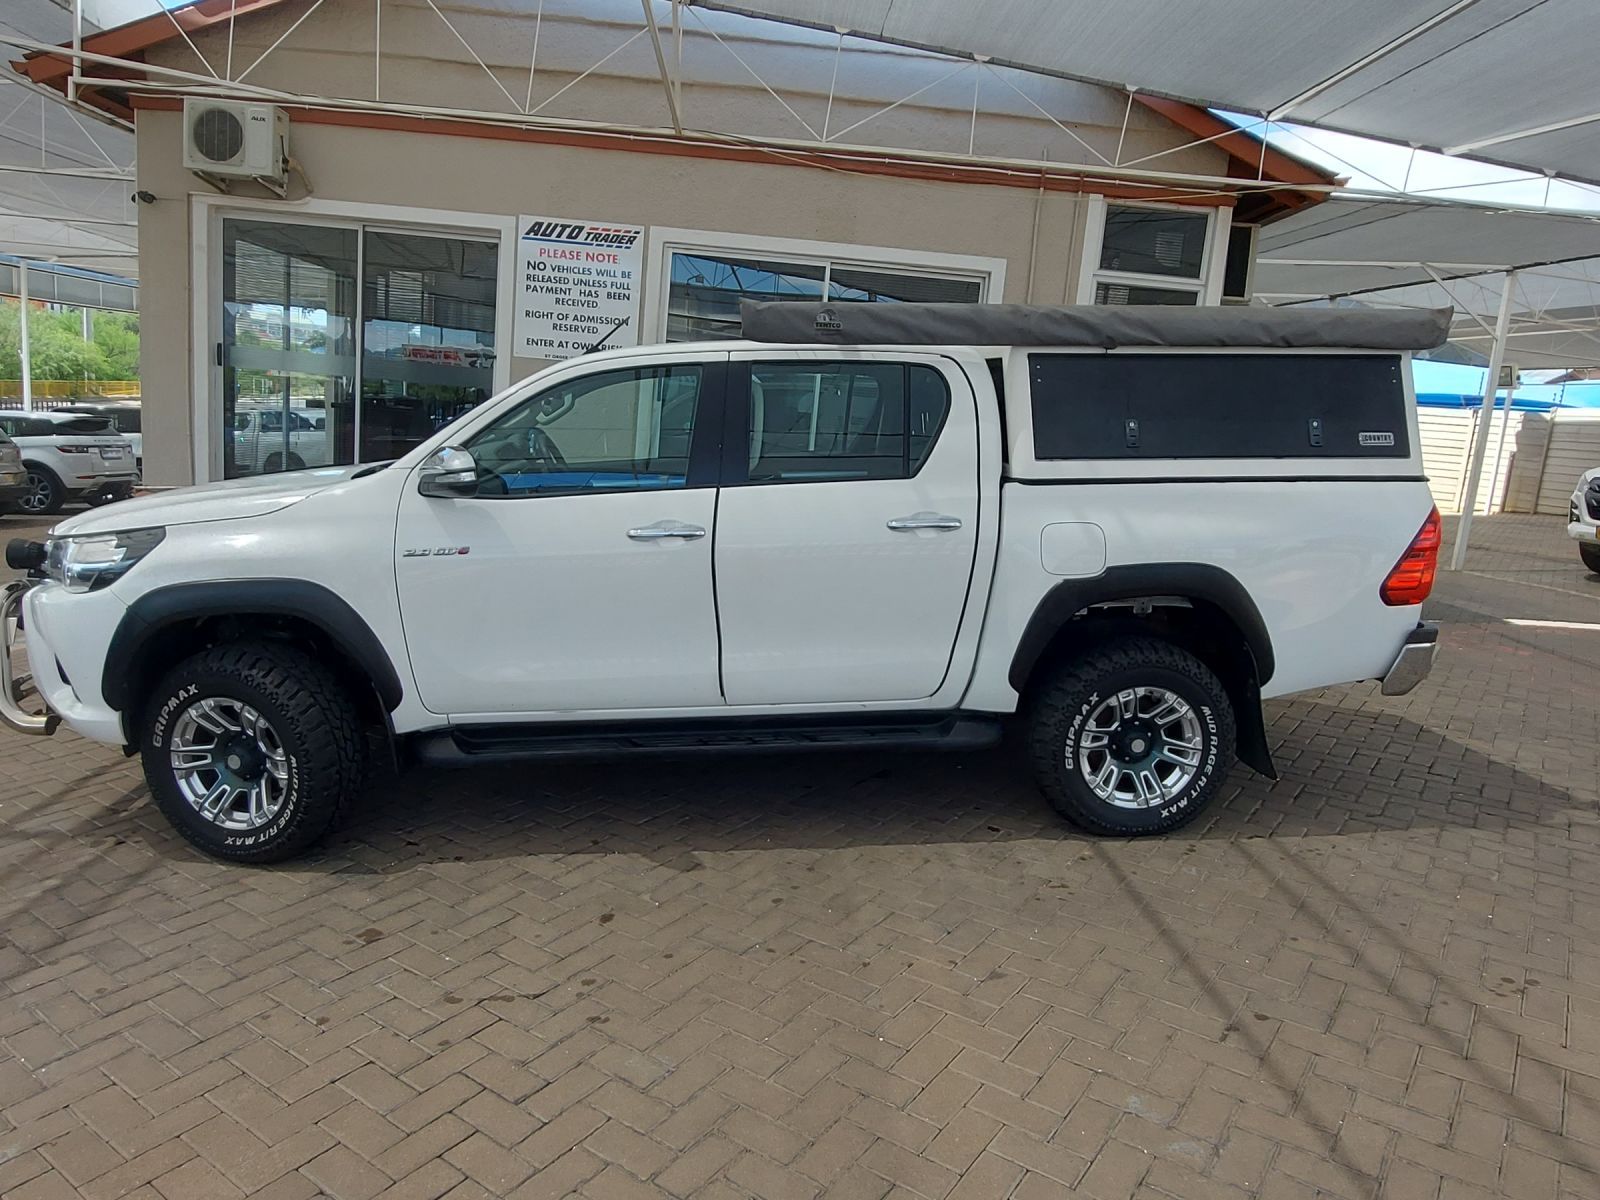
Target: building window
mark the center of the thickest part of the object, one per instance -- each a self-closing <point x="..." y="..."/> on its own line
<point x="704" y="283"/>
<point x="1151" y="256"/>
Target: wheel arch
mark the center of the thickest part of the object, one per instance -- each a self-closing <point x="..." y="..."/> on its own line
<point x="1197" y="606"/>
<point x="172" y="621"/>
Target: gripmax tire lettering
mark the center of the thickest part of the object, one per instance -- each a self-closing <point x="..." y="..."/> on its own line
<point x="312" y="713"/>
<point x="1063" y="705"/>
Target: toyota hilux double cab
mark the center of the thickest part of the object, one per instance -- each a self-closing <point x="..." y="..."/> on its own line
<point x="870" y="526"/>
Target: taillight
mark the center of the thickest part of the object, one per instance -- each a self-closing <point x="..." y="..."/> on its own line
<point x="1412" y="577"/>
<point x="76" y="449"/>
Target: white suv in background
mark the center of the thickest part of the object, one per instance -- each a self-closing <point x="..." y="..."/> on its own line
<point x="1583" y="518"/>
<point x="69" y="456"/>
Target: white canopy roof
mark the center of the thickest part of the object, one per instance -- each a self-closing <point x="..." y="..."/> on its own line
<point x="1414" y="253"/>
<point x="66" y="176"/>
<point x="1510" y="81"/>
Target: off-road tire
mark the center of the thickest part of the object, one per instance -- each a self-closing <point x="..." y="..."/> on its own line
<point x="1590" y="555"/>
<point x="56" y="494"/>
<point x="1062" y="706"/>
<point x="312" y="714"/>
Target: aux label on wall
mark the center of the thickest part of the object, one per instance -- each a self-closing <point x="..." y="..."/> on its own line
<point x="577" y="285"/>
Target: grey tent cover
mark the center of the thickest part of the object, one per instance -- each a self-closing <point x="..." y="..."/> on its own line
<point x="1089" y="325"/>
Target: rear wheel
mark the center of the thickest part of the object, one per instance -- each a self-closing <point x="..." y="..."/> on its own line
<point x="277" y="462"/>
<point x="252" y="750"/>
<point x="1590" y="555"/>
<point x="45" y="495"/>
<point x="1132" y="738"/>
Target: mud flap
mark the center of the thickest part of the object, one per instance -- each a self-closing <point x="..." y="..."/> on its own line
<point x="1251" y="729"/>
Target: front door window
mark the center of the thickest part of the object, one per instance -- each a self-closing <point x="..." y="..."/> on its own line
<point x="628" y="429"/>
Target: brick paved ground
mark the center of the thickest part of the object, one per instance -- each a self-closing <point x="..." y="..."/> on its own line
<point x="855" y="977"/>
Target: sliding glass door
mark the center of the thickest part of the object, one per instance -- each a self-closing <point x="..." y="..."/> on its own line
<point x="287" y="351"/>
<point x="314" y="316"/>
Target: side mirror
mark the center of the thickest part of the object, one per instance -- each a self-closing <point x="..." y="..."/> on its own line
<point x="448" y="472"/>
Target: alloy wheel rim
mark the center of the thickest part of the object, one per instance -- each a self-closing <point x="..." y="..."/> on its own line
<point x="229" y="763"/>
<point x="37" y="498"/>
<point x="1140" y="747"/>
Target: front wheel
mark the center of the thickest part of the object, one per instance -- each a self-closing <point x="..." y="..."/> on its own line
<point x="1590" y="555"/>
<point x="251" y="750"/>
<point x="1132" y="738"/>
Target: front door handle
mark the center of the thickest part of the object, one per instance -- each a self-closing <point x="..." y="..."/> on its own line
<point x="925" y="520"/>
<point x="667" y="529"/>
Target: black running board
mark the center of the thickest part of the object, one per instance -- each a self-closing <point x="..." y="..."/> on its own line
<point x="469" y="744"/>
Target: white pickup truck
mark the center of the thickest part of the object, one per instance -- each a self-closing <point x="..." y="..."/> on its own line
<point x="878" y="525"/>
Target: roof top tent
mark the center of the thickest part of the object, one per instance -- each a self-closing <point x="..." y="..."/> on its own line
<point x="1089" y="326"/>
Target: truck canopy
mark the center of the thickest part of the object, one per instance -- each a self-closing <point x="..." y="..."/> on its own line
<point x="1092" y="325"/>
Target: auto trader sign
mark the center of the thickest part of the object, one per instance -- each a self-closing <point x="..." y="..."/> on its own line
<point x="576" y="280"/>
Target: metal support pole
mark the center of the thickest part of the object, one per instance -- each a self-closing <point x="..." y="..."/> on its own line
<point x="1480" y="441"/>
<point x="1499" y="453"/>
<point x="77" y="44"/>
<point x="22" y="323"/>
<point x="661" y="66"/>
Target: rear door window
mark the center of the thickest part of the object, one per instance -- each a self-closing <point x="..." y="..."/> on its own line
<point x="816" y="421"/>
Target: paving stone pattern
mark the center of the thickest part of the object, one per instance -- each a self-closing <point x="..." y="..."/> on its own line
<point x="861" y="976"/>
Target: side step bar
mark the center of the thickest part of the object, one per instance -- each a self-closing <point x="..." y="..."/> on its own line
<point x="467" y="745"/>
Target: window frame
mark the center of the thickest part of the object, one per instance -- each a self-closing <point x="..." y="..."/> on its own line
<point x="1205" y="287"/>
<point x="207" y="212"/>
<point x="662" y="242"/>
<point x="705" y="439"/>
<point x="736" y="429"/>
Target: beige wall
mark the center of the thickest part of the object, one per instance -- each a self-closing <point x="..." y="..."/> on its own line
<point x="330" y="54"/>
<point x="164" y="307"/>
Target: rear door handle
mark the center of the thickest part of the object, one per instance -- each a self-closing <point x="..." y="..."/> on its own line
<point x="925" y="520"/>
<point x="667" y="529"/>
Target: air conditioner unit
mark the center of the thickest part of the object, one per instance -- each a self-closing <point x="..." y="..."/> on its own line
<point x="230" y="139"/>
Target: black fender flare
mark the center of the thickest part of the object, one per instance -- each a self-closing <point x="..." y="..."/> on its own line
<point x="1187" y="580"/>
<point x="298" y="598"/>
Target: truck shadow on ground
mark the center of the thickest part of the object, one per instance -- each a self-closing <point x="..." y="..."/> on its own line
<point x="1344" y="769"/>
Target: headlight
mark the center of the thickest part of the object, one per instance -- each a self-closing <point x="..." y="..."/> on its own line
<point x="92" y="561"/>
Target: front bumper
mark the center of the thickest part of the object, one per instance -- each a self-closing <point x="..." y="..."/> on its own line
<point x="56" y="632"/>
<point x="1414" y="662"/>
<point x="17" y="686"/>
<point x="1584" y="532"/>
<point x="96" y="481"/>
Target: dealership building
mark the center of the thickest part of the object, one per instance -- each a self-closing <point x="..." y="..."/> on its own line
<point x="472" y="191"/>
